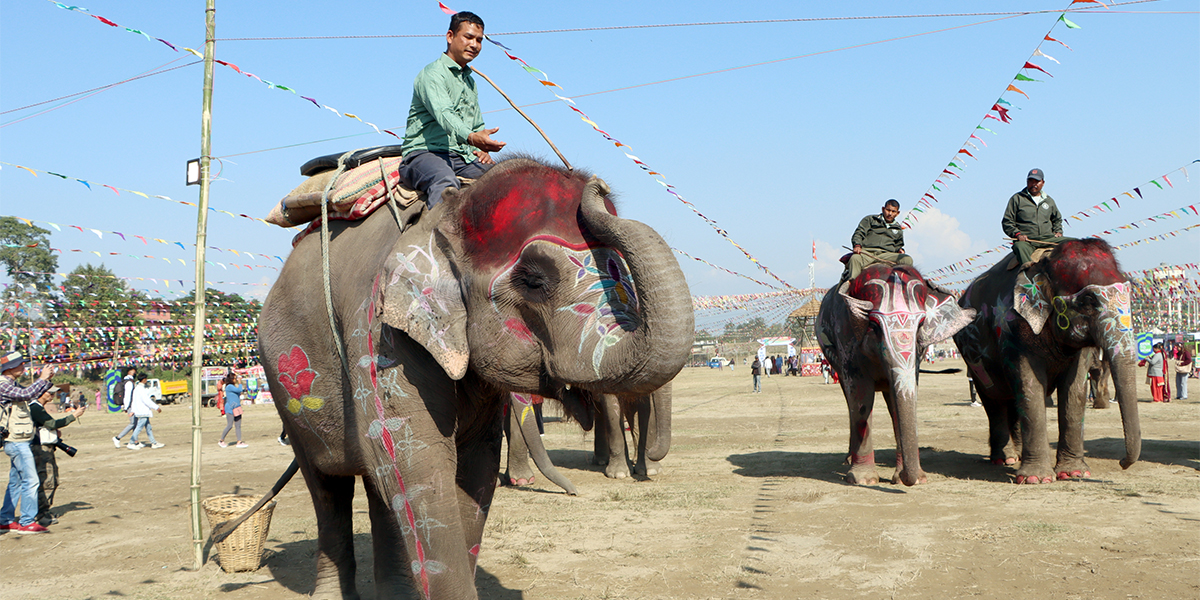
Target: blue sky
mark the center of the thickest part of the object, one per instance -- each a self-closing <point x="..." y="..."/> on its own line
<point x="779" y="155"/>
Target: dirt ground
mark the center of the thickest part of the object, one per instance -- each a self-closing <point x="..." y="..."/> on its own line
<point x="751" y="505"/>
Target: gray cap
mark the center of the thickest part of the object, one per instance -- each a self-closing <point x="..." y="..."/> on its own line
<point x="1036" y="174"/>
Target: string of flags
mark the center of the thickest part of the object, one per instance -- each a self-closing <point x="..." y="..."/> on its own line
<point x="1001" y="108"/>
<point x="544" y="79"/>
<point x="117" y="190"/>
<point x="145" y="241"/>
<point x="235" y="68"/>
<point x="166" y="282"/>
<point x="1104" y="207"/>
<point x="720" y="268"/>
<point x="746" y="301"/>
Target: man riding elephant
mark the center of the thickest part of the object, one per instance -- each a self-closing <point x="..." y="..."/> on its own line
<point x="877" y="238"/>
<point x="1032" y="219"/>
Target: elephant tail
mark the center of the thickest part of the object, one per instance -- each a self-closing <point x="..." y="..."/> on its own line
<point x="949" y="371"/>
<point x="222" y="530"/>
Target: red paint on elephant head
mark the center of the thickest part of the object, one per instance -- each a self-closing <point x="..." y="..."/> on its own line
<point x="518" y="204"/>
<point x="1077" y="264"/>
<point x="896" y="278"/>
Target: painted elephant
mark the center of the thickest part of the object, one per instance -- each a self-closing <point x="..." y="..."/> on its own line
<point x="394" y="365"/>
<point x="1099" y="373"/>
<point x="1026" y="342"/>
<point x="646" y="427"/>
<point x="874" y="330"/>
<point x="524" y="440"/>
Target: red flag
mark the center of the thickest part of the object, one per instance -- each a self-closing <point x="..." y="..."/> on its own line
<point x="1003" y="113"/>
<point x="814" y="250"/>
<point x="446" y="9"/>
<point x="1030" y="65"/>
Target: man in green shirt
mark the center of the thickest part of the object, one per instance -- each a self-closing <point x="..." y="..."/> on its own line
<point x="877" y="237"/>
<point x="445" y="137"/>
<point x="1031" y="217"/>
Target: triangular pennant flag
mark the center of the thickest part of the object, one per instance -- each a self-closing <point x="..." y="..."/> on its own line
<point x="1067" y="22"/>
<point x="1013" y="88"/>
<point x="1029" y="65"/>
<point x="1021" y="77"/>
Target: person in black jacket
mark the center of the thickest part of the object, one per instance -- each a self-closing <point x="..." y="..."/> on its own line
<point x="43" y="447"/>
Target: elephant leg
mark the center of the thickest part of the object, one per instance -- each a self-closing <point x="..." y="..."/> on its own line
<point x="618" y="462"/>
<point x="478" y="464"/>
<point x="860" y="399"/>
<point x="386" y="543"/>
<point x="518" y="471"/>
<point x="1030" y="398"/>
<point x="1072" y="392"/>
<point x="332" y="497"/>
<point x="641" y="419"/>
<point x="1002" y="434"/>
<point x="890" y="400"/>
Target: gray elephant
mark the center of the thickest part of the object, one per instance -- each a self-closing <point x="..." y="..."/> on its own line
<point x="1027" y="341"/>
<point x="524" y="281"/>
<point x="524" y="441"/>
<point x="611" y="449"/>
<point x="873" y="331"/>
<point x="1099" y="375"/>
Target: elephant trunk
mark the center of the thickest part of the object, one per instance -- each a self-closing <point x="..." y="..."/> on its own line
<point x="1124" y="372"/>
<point x="648" y="357"/>
<point x="527" y="423"/>
<point x="904" y="424"/>
<point x="660" y="412"/>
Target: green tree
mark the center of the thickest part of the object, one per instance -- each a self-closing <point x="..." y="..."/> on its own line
<point x="25" y="252"/>
<point x="93" y="296"/>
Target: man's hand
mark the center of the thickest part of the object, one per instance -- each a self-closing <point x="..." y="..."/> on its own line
<point x="484" y="157"/>
<point x="857" y="249"/>
<point x="482" y="139"/>
<point x="47" y="372"/>
<point x="79" y="411"/>
<point x="1022" y="237"/>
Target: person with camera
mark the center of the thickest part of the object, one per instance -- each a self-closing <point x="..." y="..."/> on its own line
<point x="233" y="388"/>
<point x="45" y="442"/>
<point x="143" y="407"/>
<point x="17" y="434"/>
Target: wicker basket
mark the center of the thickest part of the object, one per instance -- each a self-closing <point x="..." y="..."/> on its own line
<point x="242" y="550"/>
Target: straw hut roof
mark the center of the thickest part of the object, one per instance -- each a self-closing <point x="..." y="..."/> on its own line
<point x="808" y="309"/>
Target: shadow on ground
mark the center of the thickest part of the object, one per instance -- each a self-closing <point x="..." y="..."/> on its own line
<point x="832" y="467"/>
<point x="293" y="565"/>
<point x="1185" y="453"/>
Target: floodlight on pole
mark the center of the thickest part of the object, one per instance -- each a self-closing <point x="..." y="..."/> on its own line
<point x="193" y="172"/>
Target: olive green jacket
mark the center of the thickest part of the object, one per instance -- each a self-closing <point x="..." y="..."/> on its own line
<point x="875" y="233"/>
<point x="1036" y="221"/>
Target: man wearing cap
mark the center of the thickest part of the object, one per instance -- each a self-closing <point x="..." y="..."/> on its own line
<point x="445" y="137"/>
<point x="878" y="237"/>
<point x="1032" y="219"/>
<point x="43" y="447"/>
<point x="22" y="477"/>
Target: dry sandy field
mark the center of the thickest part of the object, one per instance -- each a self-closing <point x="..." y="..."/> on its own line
<point x="751" y="504"/>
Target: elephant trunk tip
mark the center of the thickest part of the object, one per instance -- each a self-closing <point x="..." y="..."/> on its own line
<point x="1128" y="461"/>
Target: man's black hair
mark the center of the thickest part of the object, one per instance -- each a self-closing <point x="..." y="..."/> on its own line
<point x="461" y="17"/>
<point x="892" y="202"/>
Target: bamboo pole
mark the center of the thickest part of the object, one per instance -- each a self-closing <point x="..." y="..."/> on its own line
<point x="535" y="125"/>
<point x="201" y="243"/>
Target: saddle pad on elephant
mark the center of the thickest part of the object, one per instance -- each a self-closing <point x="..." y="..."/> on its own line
<point x="1037" y="256"/>
<point x="354" y="195"/>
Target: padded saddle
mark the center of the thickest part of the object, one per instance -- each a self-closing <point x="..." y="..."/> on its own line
<point x="329" y="162"/>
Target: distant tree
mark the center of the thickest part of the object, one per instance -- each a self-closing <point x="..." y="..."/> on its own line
<point x="26" y="253"/>
<point x="93" y="296"/>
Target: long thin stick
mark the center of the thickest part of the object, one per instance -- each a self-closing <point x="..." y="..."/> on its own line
<point x="1034" y="242"/>
<point x="872" y="256"/>
<point x="535" y="125"/>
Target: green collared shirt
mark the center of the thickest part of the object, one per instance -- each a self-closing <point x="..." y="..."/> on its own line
<point x="444" y="111"/>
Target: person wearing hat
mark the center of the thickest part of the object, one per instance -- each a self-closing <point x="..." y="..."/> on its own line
<point x="877" y="238"/>
<point x="44" y="458"/>
<point x="16" y="418"/>
<point x="1032" y="219"/>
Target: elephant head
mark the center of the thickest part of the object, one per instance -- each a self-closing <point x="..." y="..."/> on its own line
<point x="898" y="315"/>
<point x="1078" y="298"/>
<point x="529" y="278"/>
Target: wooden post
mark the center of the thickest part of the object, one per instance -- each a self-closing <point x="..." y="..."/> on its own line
<point x="201" y="242"/>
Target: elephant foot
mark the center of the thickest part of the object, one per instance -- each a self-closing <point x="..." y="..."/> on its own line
<point x="648" y="469"/>
<point x="615" y="471"/>
<point x="1072" y="470"/>
<point x="519" y="481"/>
<point x="919" y="478"/>
<point x="1032" y="476"/>
<point x="1073" y="474"/>
<point x="1001" y="460"/>
<point x="862" y="476"/>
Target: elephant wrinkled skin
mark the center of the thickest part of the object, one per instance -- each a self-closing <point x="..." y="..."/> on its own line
<point x="1028" y="340"/>
<point x="873" y="331"/>
<point x="525" y="281"/>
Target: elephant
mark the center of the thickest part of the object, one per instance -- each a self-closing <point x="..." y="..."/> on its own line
<point x="394" y="362"/>
<point x="645" y="424"/>
<point x="873" y="330"/>
<point x="1018" y="358"/>
<point x="524" y="441"/>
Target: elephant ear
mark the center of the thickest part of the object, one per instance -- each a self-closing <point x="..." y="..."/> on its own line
<point x="943" y="318"/>
<point x="422" y="297"/>
<point x="859" y="309"/>
<point x="1031" y="300"/>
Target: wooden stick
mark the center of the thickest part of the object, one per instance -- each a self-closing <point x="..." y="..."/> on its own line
<point x="1034" y="242"/>
<point x="535" y="125"/>
<point x="872" y="256"/>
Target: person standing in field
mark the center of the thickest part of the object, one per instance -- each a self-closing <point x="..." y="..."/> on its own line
<point x="233" y="409"/>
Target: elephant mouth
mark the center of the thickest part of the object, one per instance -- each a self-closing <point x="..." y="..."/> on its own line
<point x="578" y="403"/>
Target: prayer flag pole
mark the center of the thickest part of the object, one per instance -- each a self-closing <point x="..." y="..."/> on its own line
<point x="535" y="125"/>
